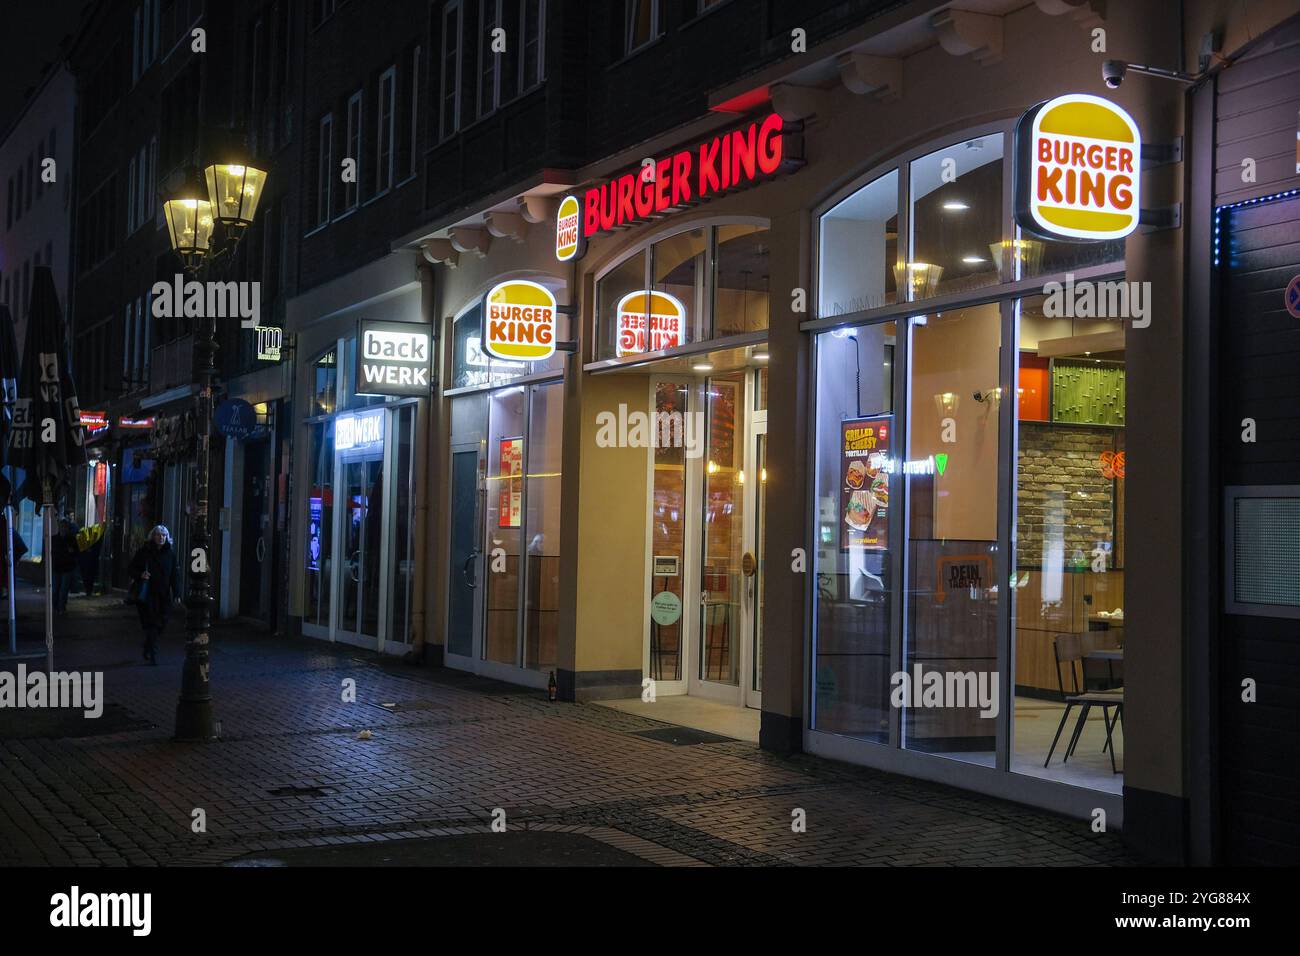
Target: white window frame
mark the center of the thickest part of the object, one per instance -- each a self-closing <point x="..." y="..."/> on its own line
<point x="526" y="83"/>
<point x="486" y="48"/>
<point x="655" y="26"/>
<point x="451" y="37"/>
<point x="353" y="132"/>
<point x="415" y="113"/>
<point x="384" y="169"/>
<point x="324" y="169"/>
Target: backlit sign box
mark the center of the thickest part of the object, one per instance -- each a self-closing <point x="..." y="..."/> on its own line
<point x="362" y="431"/>
<point x="649" y="321"/>
<point x="393" y="358"/>
<point x="520" y="321"/>
<point x="1078" y="169"/>
<point x="735" y="159"/>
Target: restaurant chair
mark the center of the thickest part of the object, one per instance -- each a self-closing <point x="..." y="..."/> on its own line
<point x="1069" y="649"/>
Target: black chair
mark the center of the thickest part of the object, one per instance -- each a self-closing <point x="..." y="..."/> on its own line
<point x="1068" y="649"/>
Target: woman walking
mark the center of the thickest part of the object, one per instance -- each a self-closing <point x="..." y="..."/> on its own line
<point x="64" y="558"/>
<point x="155" y="585"/>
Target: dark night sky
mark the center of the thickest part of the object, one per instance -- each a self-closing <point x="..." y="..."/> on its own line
<point x="29" y="37"/>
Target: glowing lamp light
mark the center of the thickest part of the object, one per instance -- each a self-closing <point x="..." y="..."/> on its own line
<point x="922" y="278"/>
<point x="189" y="228"/>
<point x="1026" y="254"/>
<point x="234" y="191"/>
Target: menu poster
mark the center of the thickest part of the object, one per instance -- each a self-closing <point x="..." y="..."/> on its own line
<point x="314" y="531"/>
<point x="864" y="482"/>
<point x="511" y="472"/>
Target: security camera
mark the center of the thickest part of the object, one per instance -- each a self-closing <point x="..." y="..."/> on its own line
<point x="1112" y="71"/>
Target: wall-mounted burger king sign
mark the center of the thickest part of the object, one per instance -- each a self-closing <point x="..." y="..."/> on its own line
<point x="738" y="158"/>
<point x="519" y="321"/>
<point x="1078" y="169"/>
<point x="649" y="322"/>
<point x="570" y="243"/>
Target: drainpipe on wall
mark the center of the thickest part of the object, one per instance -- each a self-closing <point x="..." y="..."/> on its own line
<point x="424" y="418"/>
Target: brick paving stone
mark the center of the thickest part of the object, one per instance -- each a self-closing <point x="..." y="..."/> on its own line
<point x="440" y="767"/>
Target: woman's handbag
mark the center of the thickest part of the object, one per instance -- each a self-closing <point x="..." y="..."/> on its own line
<point x="138" y="592"/>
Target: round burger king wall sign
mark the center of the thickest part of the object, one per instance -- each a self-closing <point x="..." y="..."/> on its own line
<point x="1078" y="169"/>
<point x="519" y="321"/>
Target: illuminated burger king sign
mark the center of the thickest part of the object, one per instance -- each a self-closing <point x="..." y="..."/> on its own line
<point x="649" y="322"/>
<point x="569" y="240"/>
<point x="738" y="158"/>
<point x="1078" y="169"/>
<point x="519" y="320"/>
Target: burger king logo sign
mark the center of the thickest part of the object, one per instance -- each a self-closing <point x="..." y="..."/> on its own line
<point x="1078" y="169"/>
<point x="569" y="241"/>
<point x="649" y="321"/>
<point x="520" y="321"/>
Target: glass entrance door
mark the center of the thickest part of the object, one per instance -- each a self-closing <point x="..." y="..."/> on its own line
<point x="362" y="517"/>
<point x="705" y="533"/>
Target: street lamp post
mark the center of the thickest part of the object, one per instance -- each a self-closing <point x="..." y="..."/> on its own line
<point x="227" y="196"/>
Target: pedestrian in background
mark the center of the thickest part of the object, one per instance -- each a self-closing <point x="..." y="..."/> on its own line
<point x="63" y="556"/>
<point x="155" y="586"/>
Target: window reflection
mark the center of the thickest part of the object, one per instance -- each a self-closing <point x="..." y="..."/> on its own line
<point x="956" y="213"/>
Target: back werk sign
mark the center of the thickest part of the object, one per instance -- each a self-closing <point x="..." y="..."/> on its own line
<point x="735" y="159"/>
<point x="393" y="358"/>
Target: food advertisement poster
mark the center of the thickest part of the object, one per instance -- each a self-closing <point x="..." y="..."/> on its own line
<point x="511" y="473"/>
<point x="864" y="482"/>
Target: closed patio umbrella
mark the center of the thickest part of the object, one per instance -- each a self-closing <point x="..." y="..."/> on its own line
<point x="47" y="438"/>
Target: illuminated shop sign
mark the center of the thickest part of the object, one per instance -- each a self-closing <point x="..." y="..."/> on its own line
<point x="362" y="431"/>
<point x="732" y="160"/>
<point x="520" y="321"/>
<point x="1078" y="169"/>
<point x="135" y="423"/>
<point x="649" y="322"/>
<point x="269" y="342"/>
<point x="94" y="421"/>
<point x="393" y="358"/>
<point x="570" y="243"/>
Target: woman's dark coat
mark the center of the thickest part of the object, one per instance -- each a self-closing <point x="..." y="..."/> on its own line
<point x="163" y="584"/>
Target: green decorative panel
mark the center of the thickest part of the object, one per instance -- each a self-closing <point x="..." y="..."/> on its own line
<point x="1087" y="393"/>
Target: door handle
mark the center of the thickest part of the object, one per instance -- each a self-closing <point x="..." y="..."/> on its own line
<point x="468" y="569"/>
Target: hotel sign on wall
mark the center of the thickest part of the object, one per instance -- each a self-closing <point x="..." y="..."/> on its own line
<point x="735" y="159"/>
<point x="1078" y="169"/>
<point x="649" y="321"/>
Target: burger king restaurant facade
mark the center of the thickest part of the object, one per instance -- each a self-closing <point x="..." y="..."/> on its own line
<point x="889" y="397"/>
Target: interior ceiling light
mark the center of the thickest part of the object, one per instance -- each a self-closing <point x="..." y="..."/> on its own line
<point x="971" y="260"/>
<point x="703" y="367"/>
<point x="955" y="205"/>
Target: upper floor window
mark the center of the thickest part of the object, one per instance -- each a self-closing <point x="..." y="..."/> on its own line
<point x="145" y="24"/>
<point x="322" y="10"/>
<point x="353" y="148"/>
<point x="641" y="23"/>
<point x="324" y="168"/>
<point x="386" y="115"/>
<point x="449" y="70"/>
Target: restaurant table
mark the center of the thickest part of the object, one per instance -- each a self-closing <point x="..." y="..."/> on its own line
<point x="1109" y="655"/>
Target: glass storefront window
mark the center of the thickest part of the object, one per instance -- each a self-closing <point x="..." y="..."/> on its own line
<point x="612" y="289"/>
<point x="678" y="265"/>
<point x="474" y="367"/>
<point x="325" y="381"/>
<point x="859" y="246"/>
<point x="320" y="516"/>
<point x="742" y="273"/>
<point x="855" y="443"/>
<point x="404" y="558"/>
<point x="706" y="282"/>
<point x="507" y="409"/>
<point x="542" y="582"/>
<point x="951" y="477"/>
<point x="1069" y="561"/>
<point x="956" y="216"/>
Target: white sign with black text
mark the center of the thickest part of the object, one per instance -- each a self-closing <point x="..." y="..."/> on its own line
<point x="393" y="358"/>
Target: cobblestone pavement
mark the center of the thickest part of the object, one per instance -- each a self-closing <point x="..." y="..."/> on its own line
<point x="291" y="772"/>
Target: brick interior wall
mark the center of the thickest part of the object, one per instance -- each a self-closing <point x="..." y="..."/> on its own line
<point x="1062" y="492"/>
